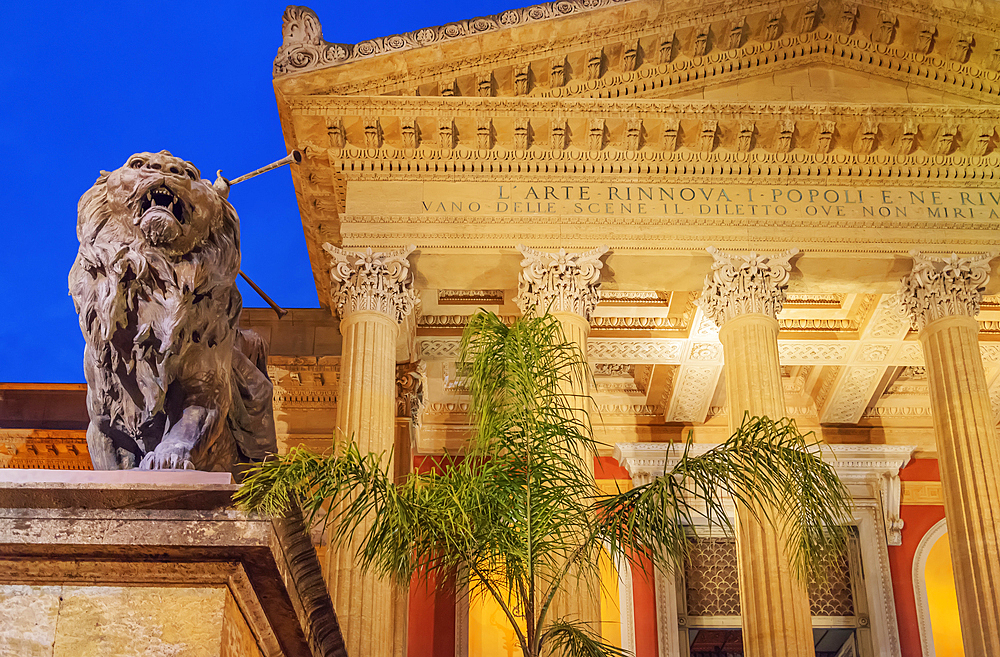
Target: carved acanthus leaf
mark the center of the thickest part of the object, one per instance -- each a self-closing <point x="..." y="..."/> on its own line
<point x="942" y="287"/>
<point x="370" y="280"/>
<point x="744" y="284"/>
<point x="559" y="282"/>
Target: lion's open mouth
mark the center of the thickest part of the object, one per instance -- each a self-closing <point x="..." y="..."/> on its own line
<point x="162" y="197"/>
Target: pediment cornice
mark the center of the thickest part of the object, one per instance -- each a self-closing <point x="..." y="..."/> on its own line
<point x="639" y="48"/>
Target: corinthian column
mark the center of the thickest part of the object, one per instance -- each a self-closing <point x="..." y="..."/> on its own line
<point x="743" y="295"/>
<point x="942" y="298"/>
<point x="373" y="294"/>
<point x="566" y="285"/>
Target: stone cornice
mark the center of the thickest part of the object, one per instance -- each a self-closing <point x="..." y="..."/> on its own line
<point x="744" y="284"/>
<point x="943" y="287"/>
<point x="559" y="282"/>
<point x="372" y="281"/>
<point x="304" y="49"/>
<point x="653" y="49"/>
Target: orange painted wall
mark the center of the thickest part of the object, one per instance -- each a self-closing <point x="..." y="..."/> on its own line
<point x="916" y="521"/>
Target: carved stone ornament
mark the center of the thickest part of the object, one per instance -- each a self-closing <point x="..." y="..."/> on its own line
<point x="411" y="381"/>
<point x="172" y="383"/>
<point x="302" y="46"/>
<point x="942" y="287"/>
<point x="559" y="282"/>
<point x="372" y="281"/>
<point x="744" y="284"/>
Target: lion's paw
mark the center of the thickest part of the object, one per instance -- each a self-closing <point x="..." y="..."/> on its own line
<point x="168" y="457"/>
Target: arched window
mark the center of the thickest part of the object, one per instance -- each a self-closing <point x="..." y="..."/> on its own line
<point x="937" y="602"/>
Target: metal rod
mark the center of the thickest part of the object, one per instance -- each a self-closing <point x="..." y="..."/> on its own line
<point x="293" y="157"/>
<point x="278" y="310"/>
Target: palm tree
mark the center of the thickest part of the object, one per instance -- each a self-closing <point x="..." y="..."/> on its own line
<point x="517" y="514"/>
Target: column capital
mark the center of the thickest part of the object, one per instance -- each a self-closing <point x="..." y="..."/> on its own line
<point x="745" y="284"/>
<point x="559" y="282"/>
<point x="944" y="287"/>
<point x="372" y="280"/>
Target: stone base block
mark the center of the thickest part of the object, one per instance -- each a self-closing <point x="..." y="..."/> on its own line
<point x="152" y="565"/>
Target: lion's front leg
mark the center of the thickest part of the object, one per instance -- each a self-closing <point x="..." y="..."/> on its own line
<point x="174" y="451"/>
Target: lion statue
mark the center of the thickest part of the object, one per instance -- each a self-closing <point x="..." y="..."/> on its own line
<point x="172" y="382"/>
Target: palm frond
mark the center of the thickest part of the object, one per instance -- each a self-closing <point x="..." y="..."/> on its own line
<point x="574" y="639"/>
<point x="767" y="467"/>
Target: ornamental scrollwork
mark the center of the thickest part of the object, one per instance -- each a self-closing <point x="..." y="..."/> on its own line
<point x="371" y="280"/>
<point x="559" y="282"/>
<point x="942" y="287"/>
<point x="744" y="284"/>
<point x="302" y="45"/>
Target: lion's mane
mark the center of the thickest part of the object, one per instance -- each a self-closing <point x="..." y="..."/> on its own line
<point x="160" y="326"/>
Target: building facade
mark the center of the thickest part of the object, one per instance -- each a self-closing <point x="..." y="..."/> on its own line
<point x="732" y="208"/>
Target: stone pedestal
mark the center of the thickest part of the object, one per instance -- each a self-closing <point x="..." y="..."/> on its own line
<point x="743" y="296"/>
<point x="942" y="297"/>
<point x="122" y="564"/>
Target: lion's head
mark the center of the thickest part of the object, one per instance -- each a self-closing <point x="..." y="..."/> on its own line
<point x="165" y="198"/>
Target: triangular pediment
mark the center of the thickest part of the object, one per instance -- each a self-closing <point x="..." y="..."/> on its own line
<point x="658" y="49"/>
<point x="813" y="81"/>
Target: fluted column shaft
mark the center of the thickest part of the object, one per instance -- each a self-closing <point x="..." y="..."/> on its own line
<point x="942" y="297"/>
<point x="743" y="296"/>
<point x="580" y="597"/>
<point x="372" y="293"/>
<point x="775" y="603"/>
<point x="969" y="457"/>
<point x="366" y="412"/>
<point x="566" y="284"/>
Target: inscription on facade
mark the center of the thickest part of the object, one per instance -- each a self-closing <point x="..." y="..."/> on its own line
<point x="562" y="199"/>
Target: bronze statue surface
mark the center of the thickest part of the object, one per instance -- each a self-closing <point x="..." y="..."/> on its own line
<point x="172" y="382"/>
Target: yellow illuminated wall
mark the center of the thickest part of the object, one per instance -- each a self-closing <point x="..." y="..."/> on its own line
<point x="611" y="626"/>
<point x="490" y="633"/>
<point x="942" y="601"/>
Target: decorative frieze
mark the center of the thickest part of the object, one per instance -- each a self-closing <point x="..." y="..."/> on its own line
<point x="623" y="130"/>
<point x="559" y="282"/>
<point x="744" y="284"/>
<point x="370" y="280"/>
<point x="942" y="287"/>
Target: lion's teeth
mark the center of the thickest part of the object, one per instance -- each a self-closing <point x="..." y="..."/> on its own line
<point x="170" y="207"/>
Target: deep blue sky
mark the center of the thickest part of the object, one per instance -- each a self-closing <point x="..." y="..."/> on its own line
<point x="83" y="85"/>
